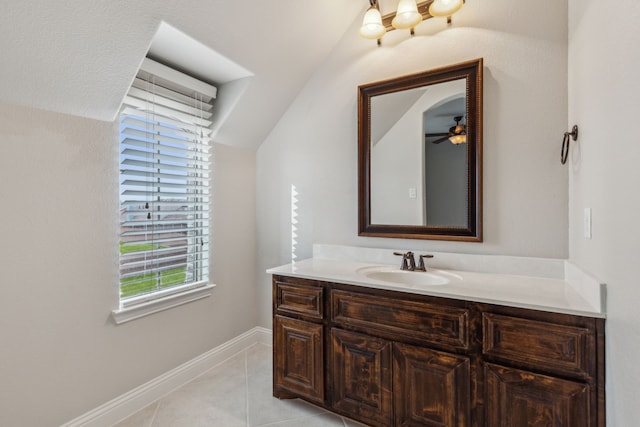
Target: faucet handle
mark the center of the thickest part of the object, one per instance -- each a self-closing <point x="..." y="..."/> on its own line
<point x="403" y="264"/>
<point x="421" y="264"/>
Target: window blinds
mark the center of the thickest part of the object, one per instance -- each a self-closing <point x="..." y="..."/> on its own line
<point x="164" y="182"/>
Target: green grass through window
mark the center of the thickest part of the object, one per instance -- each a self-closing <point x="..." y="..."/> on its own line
<point x="137" y="247"/>
<point x="148" y="282"/>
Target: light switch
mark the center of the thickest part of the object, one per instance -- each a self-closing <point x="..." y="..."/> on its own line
<point x="587" y="223"/>
<point x="413" y="193"/>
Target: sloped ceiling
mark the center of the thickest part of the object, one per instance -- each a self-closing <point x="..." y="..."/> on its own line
<point x="79" y="56"/>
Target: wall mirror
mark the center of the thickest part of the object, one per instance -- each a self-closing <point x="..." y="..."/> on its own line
<point x="420" y="155"/>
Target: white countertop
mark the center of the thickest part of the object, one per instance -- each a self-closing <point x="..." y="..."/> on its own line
<point x="538" y="293"/>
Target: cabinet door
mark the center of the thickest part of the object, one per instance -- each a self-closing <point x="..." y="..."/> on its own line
<point x="431" y="388"/>
<point x="298" y="359"/>
<point x="518" y="398"/>
<point x="362" y="377"/>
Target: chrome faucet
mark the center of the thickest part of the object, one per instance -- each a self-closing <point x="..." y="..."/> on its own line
<point x="408" y="262"/>
<point x="421" y="264"/>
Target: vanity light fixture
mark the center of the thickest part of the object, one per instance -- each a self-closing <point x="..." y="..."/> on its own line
<point x="445" y="8"/>
<point x="408" y="15"/>
<point x="372" y="27"/>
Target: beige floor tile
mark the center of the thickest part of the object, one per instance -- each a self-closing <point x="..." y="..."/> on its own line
<point x="203" y="404"/>
<point x="352" y="423"/>
<point x="263" y="407"/>
<point x="322" y="420"/>
<point x="236" y="393"/>
<point x="142" y="418"/>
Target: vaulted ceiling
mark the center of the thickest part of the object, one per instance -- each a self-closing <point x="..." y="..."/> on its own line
<point x="79" y="56"/>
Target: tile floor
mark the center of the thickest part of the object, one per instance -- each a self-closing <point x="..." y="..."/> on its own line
<point x="236" y="393"/>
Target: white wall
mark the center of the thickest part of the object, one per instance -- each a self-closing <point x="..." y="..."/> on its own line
<point x="61" y="355"/>
<point x="397" y="159"/>
<point x="396" y="166"/>
<point x="604" y="175"/>
<point x="314" y="146"/>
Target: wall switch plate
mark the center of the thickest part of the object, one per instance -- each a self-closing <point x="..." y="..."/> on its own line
<point x="413" y="193"/>
<point x="587" y="223"/>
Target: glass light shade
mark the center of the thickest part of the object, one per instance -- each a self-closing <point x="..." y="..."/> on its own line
<point x="444" y="7"/>
<point x="372" y="27"/>
<point x="407" y="15"/>
<point x="458" y="139"/>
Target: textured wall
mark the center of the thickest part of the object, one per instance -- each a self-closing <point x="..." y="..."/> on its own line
<point x="79" y="57"/>
<point x="525" y="112"/>
<point x="604" y="175"/>
<point x="61" y="353"/>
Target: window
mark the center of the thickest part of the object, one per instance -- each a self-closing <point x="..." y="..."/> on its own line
<point x="165" y="128"/>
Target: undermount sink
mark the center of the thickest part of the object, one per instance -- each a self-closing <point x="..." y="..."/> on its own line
<point x="403" y="277"/>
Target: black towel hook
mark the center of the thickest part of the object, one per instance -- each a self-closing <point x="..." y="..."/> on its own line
<point x="564" y="153"/>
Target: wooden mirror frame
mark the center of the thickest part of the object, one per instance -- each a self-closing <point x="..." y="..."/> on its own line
<point x="472" y="231"/>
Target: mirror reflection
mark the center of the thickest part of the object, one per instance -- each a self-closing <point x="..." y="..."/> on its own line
<point x="420" y="155"/>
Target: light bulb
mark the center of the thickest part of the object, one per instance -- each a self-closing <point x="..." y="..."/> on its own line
<point x="407" y="15"/>
<point x="444" y="7"/>
<point x="372" y="27"/>
<point x="458" y="139"/>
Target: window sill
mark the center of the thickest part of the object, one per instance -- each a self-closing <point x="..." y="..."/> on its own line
<point x="147" y="307"/>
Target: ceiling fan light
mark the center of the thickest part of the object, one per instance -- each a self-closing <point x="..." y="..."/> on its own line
<point x="445" y="7"/>
<point x="372" y="27"/>
<point x="458" y="139"/>
<point x="407" y="15"/>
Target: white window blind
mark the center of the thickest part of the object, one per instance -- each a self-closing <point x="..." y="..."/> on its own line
<point x="164" y="184"/>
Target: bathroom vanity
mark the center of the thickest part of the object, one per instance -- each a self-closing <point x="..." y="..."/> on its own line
<point x="414" y="354"/>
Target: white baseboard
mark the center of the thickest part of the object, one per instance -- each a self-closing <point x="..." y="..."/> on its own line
<point x="122" y="406"/>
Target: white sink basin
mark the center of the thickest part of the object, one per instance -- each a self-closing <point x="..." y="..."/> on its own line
<point x="405" y="278"/>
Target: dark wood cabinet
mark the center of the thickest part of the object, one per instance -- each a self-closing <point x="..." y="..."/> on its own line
<point x="445" y="326"/>
<point x="390" y="358"/>
<point x="518" y="398"/>
<point x="561" y="349"/>
<point x="431" y="388"/>
<point x="299" y="367"/>
<point x="362" y="377"/>
<point x="547" y="371"/>
<point x="298" y="340"/>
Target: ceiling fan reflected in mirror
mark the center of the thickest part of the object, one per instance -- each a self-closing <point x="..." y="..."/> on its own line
<point x="457" y="134"/>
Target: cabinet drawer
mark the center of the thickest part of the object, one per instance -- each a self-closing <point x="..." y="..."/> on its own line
<point x="437" y="324"/>
<point x="535" y="344"/>
<point x="305" y="300"/>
